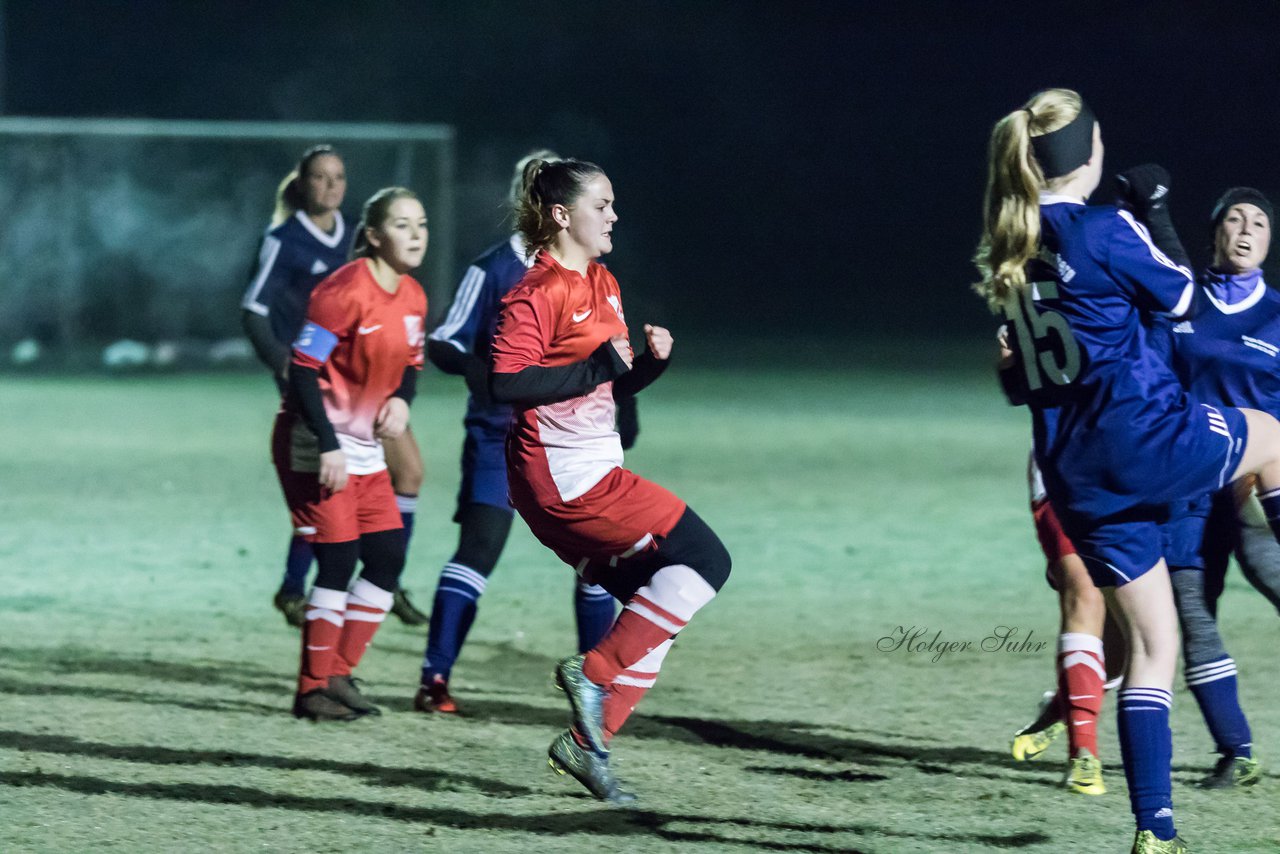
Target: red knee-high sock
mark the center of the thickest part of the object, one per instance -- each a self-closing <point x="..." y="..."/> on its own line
<point x="320" y="637"/>
<point x="657" y="612"/>
<point x="367" y="607"/>
<point x="1081" y="674"/>
<point x="629" y="686"/>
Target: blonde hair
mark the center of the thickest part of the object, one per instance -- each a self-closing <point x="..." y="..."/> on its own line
<point x="517" y="179"/>
<point x="1011" y="207"/>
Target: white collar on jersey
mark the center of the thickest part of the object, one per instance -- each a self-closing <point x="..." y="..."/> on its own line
<point x="519" y="247"/>
<point x="1235" y="308"/>
<point x="330" y="240"/>
<point x="1055" y="199"/>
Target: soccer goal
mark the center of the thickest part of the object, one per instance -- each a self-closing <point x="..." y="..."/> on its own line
<point x="149" y="230"/>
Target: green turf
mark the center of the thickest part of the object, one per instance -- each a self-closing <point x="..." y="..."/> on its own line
<point x="145" y="681"/>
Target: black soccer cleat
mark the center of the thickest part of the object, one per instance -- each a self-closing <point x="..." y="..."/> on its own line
<point x="586" y="699"/>
<point x="345" y="689"/>
<point x="293" y="606"/>
<point x="588" y="768"/>
<point x="318" y="706"/>
<point x="405" y="610"/>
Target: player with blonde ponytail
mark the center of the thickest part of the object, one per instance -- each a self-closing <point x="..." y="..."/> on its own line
<point x="1116" y="438"/>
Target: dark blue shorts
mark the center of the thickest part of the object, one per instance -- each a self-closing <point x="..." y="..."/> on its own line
<point x="1122" y="547"/>
<point x="484" y="470"/>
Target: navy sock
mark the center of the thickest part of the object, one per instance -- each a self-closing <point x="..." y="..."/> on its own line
<point x="593" y="608"/>
<point x="296" y="566"/>
<point x="1146" y="745"/>
<point x="408" y="506"/>
<point x="452" y="613"/>
<point x="1214" y="687"/>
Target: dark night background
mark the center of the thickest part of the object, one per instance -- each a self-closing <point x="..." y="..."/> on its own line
<point x="808" y="168"/>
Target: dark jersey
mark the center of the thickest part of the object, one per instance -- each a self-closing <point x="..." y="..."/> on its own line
<point x="295" y="257"/>
<point x="1114" y="428"/>
<point x="1230" y="352"/>
<point x="473" y="318"/>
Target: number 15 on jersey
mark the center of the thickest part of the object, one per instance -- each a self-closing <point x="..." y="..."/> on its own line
<point x="1038" y="332"/>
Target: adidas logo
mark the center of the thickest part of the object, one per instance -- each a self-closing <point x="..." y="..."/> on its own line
<point x="318" y="267"/>
<point x="1184" y="326"/>
<point x="1163" y="812"/>
<point x="1160" y="192"/>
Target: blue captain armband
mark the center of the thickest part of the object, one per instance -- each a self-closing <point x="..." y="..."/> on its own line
<point x="315" y="341"/>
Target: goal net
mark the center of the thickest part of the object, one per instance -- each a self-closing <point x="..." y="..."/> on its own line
<point x="149" y="230"/>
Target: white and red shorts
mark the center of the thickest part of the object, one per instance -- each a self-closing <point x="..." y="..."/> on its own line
<point x="366" y="506"/>
<point x="617" y="518"/>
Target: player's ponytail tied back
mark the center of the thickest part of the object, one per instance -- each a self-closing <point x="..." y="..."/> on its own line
<point x="1015" y="179"/>
<point x="545" y="184"/>
<point x="374" y="215"/>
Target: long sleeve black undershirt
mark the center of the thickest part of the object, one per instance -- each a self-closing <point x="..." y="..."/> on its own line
<point x="304" y="385"/>
<point x="536" y="385"/>
<point x="1165" y="236"/>
<point x="408" y="389"/>
<point x="271" y="350"/>
<point x="644" y="370"/>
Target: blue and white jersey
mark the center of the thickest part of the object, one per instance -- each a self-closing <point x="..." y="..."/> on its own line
<point x="1114" y="428"/>
<point x="1230" y="352"/>
<point x="472" y="320"/>
<point x="295" y="256"/>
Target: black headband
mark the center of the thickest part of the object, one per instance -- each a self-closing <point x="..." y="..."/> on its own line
<point x="1240" y="196"/>
<point x="1062" y="151"/>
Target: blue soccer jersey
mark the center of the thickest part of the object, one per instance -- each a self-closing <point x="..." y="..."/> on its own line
<point x="1114" y="428"/>
<point x="296" y="255"/>
<point x="1230" y="352"/>
<point x="473" y="319"/>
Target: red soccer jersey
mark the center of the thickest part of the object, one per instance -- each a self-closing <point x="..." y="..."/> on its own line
<point x="555" y="316"/>
<point x="361" y="338"/>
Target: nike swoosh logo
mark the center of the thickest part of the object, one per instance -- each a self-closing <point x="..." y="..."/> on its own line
<point x="365" y="330"/>
<point x="578" y="318"/>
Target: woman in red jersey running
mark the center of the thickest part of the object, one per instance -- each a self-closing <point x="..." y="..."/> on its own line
<point x="562" y="358"/>
<point x="352" y="377"/>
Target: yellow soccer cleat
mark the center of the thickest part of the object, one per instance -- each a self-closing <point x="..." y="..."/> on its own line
<point x="1029" y="745"/>
<point x="1084" y="775"/>
<point x="1147" y="842"/>
<point x="1233" y="771"/>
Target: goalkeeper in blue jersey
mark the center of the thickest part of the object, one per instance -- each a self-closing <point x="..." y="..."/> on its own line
<point x="460" y="345"/>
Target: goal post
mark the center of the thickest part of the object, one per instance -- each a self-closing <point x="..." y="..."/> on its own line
<point x="149" y="229"/>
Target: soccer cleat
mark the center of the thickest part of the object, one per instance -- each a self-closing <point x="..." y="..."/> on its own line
<point x="589" y="768"/>
<point x="1232" y="771"/>
<point x="1029" y="745"/>
<point x="405" y="610"/>
<point x="317" y="705"/>
<point x="586" y="699"/>
<point x="434" y="697"/>
<point x="1084" y="775"/>
<point x="346" y="691"/>
<point x="1146" y="842"/>
<point x="293" y="606"/>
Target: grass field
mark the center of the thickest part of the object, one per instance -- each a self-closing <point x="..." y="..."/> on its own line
<point x="145" y="681"/>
